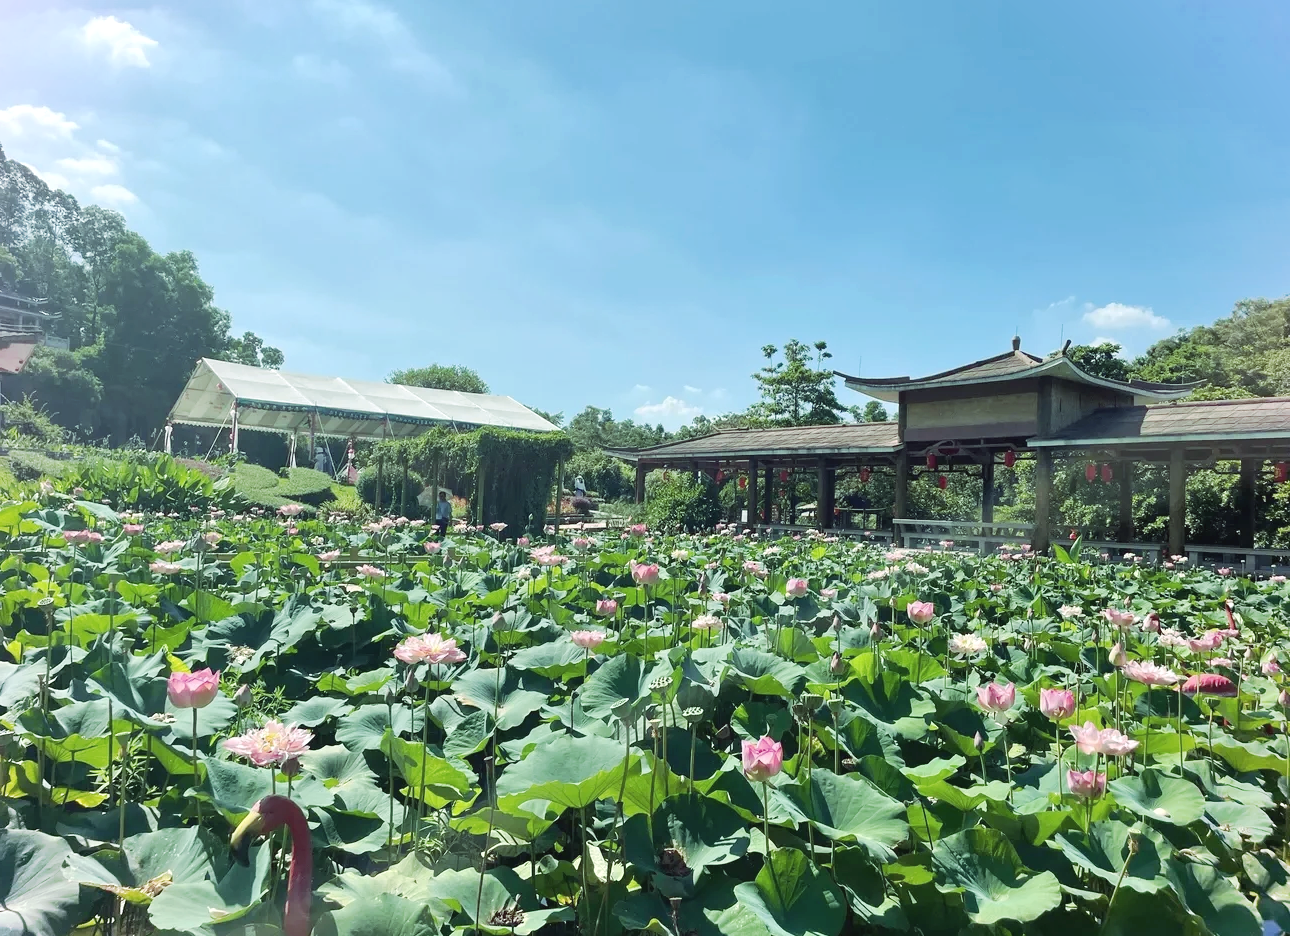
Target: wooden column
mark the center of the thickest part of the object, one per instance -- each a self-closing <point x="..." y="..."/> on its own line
<point x="1124" y="532"/>
<point x="987" y="490"/>
<point x="1043" y="498"/>
<point x="900" y="498"/>
<point x="1248" y="499"/>
<point x="830" y="497"/>
<point x="640" y="483"/>
<point x="1177" y="501"/>
<point x="752" y="493"/>
<point x="769" y="494"/>
<point x="559" y="495"/>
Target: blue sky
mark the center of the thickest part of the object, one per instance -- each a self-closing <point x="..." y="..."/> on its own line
<point x="620" y="203"/>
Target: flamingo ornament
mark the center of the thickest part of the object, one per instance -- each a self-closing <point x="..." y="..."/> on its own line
<point x="268" y="815"/>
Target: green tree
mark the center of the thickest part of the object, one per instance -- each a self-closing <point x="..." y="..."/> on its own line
<point x="793" y="393"/>
<point x="440" y="377"/>
<point x="1100" y="360"/>
<point x="251" y="350"/>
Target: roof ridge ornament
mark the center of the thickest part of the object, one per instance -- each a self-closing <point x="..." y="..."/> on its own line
<point x="1016" y="342"/>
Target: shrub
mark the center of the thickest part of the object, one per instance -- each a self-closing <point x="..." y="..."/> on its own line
<point x="155" y="482"/>
<point x="582" y="505"/>
<point x="606" y="476"/>
<point x="391" y="478"/>
<point x="679" y="503"/>
<point x="32" y="466"/>
<point x="25" y="419"/>
<point x="306" y="486"/>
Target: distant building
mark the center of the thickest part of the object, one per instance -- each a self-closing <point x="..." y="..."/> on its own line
<point x="23" y="317"/>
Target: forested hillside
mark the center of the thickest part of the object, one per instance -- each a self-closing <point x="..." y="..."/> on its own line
<point x="135" y="320"/>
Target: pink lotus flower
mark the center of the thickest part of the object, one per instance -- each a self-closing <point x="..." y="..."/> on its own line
<point x="995" y="698"/>
<point x="212" y="537"/>
<point x="370" y="571"/>
<point x="828" y="593"/>
<point x="638" y="529"/>
<point x="522" y="541"/>
<point x="645" y="573"/>
<point x="588" y="639"/>
<point x="497" y="527"/>
<point x="290" y="510"/>
<point x="920" y="612"/>
<point x="433" y="546"/>
<point x="721" y="598"/>
<point x="1277" y="580"/>
<point x="1271" y="667"/>
<point x="1214" y="684"/>
<point x="707" y="622"/>
<point x="1107" y="741"/>
<point x="1224" y="572"/>
<point x="1057" y="704"/>
<point x="796" y="587"/>
<point x="606" y="607"/>
<point x="166" y="568"/>
<point x="762" y="759"/>
<point x="429" y="648"/>
<point x="751" y="566"/>
<point x="271" y="744"/>
<point x="1150" y="674"/>
<point x="132" y="529"/>
<point x="82" y="537"/>
<point x="1087" y="785"/>
<point x="1208" y="641"/>
<point x="192" y="690"/>
<point x="996" y="587"/>
<point x="1122" y="619"/>
<point x="169" y="547"/>
<point x="1117" y="656"/>
<point x="580" y="543"/>
<point x="330" y="556"/>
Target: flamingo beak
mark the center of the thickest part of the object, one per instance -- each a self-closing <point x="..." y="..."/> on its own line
<point x="247" y="831"/>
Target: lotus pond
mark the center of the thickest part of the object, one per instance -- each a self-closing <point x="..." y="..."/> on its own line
<point x="625" y="732"/>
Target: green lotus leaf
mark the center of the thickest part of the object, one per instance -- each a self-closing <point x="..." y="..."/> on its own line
<point x="382" y="915"/>
<point x="1159" y="797"/>
<point x="311" y="712"/>
<point x="792" y="896"/>
<point x="690" y="832"/>
<point x="982" y="866"/>
<point x="849" y="808"/>
<point x="569" y="772"/>
<point x="1212" y="898"/>
<point x="1106" y="846"/>
<point x="363" y="728"/>
<point x="35" y="896"/>
<point x="618" y="688"/>
<point x="765" y="674"/>
<point x="195" y="906"/>
<point x="505" y="699"/>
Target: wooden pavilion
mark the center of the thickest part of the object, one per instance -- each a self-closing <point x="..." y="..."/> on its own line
<point x="994" y="411"/>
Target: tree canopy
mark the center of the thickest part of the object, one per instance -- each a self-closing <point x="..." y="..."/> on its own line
<point x="135" y="320"/>
<point x="793" y="392"/>
<point x="440" y="377"/>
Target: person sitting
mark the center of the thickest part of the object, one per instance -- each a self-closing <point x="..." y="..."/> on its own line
<point x="442" y="514"/>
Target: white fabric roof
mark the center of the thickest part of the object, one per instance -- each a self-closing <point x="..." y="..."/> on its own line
<point x="277" y="401"/>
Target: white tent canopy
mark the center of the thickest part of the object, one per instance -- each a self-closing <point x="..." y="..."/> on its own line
<point x="276" y="401"/>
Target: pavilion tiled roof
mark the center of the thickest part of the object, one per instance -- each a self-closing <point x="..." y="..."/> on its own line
<point x="840" y="439"/>
<point x="1202" y="421"/>
<point x="1012" y="365"/>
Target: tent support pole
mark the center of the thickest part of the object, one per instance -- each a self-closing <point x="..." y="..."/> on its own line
<point x="403" y="491"/>
<point x="380" y="476"/>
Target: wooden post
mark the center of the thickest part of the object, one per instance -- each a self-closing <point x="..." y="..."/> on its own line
<point x="987" y="489"/>
<point x="640" y="483"/>
<point x="821" y="482"/>
<point x="752" y="493"/>
<point x="1177" y="501"/>
<point x="830" y="497"/>
<point x="1125" y="531"/>
<point x="900" y="497"/>
<point x="1248" y="500"/>
<point x="768" y="495"/>
<point x="559" y="494"/>
<point x="1043" y="498"/>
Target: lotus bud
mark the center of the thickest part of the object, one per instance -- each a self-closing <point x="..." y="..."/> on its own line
<point x="1117" y="656"/>
<point x="1283" y="699"/>
<point x="291" y="765"/>
<point x="875" y="631"/>
<point x="242" y="698"/>
<point x="837" y="665"/>
<point x="977" y="740"/>
<point x="1133" y="843"/>
<point x="837" y="623"/>
<point x="1249" y="653"/>
<point x="390" y="694"/>
<point x="411" y="684"/>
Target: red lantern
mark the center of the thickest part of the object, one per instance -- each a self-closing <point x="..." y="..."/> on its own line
<point x="864" y="475"/>
<point x="743" y="483"/>
<point x="1090" y="472"/>
<point x="1009" y="458"/>
<point x="1282" y="472"/>
<point x="1107" y="474"/>
<point x="783" y="475"/>
<point x="721" y="476"/>
<point x="941" y="481"/>
<point x="931" y="461"/>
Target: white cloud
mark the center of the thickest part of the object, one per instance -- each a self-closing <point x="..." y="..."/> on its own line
<point x="1101" y="341"/>
<point x="688" y="389"/>
<point x="386" y="27"/>
<point x="89" y="165"/>
<point x="125" y="45"/>
<point x="53" y="179"/>
<point x="321" y="70"/>
<point x="671" y="409"/>
<point x="1117" y="315"/>
<point x="107" y="147"/>
<point x="640" y="388"/>
<point x="28" y="120"/>
<point x="115" y="195"/>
